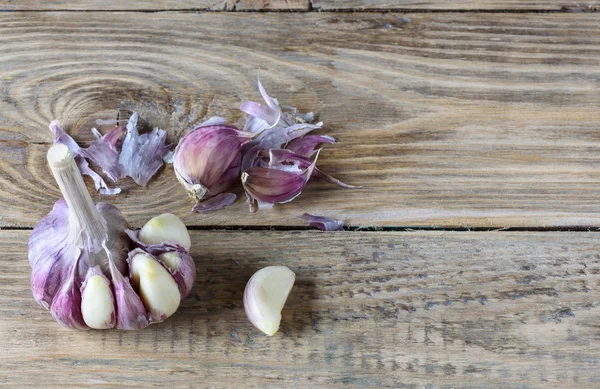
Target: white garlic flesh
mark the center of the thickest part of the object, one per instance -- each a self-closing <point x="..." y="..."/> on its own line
<point x="157" y="288"/>
<point x="97" y="303"/>
<point x="165" y="228"/>
<point x="265" y="295"/>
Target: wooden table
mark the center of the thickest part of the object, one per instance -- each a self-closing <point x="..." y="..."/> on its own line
<point x="471" y="257"/>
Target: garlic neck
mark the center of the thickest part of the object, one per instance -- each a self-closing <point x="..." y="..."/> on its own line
<point x="87" y="227"/>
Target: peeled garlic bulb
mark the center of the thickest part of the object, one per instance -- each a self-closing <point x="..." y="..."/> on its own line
<point x="265" y="295"/>
<point x="157" y="288"/>
<point x="165" y="228"/>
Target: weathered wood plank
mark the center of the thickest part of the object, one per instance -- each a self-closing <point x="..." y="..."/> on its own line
<point x="116" y="5"/>
<point x="446" y="119"/>
<point x="300" y="5"/>
<point x="467" y="5"/>
<point x="373" y="310"/>
<point x="288" y="5"/>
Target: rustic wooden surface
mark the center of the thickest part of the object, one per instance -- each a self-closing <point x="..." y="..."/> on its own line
<point x="296" y="5"/>
<point x="371" y="310"/>
<point x="449" y="120"/>
<point x="446" y="119"/>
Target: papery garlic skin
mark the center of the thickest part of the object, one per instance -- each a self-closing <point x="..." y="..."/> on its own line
<point x="156" y="287"/>
<point x="165" y="228"/>
<point x="207" y="160"/>
<point x="65" y="307"/>
<point x="265" y="295"/>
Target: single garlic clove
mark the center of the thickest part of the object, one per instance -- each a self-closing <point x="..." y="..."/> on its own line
<point x="66" y="304"/>
<point x="207" y="160"/>
<point x="279" y="183"/>
<point x="165" y="228"/>
<point x="171" y="260"/>
<point x="265" y="295"/>
<point x="182" y="268"/>
<point x="157" y="288"/>
<point x="131" y="312"/>
<point x="97" y="301"/>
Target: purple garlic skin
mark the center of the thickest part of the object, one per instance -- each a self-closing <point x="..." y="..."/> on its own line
<point x="207" y="160"/>
<point x="52" y="257"/>
<point x="276" y="164"/>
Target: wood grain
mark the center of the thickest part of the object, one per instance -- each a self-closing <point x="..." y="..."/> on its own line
<point x="116" y="5"/>
<point x="266" y="5"/>
<point x="446" y="119"/>
<point x="298" y="5"/>
<point x="370" y="310"/>
<point x="467" y="5"/>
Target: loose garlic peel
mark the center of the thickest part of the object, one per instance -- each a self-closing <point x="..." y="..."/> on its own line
<point x="265" y="295"/>
<point x="157" y="288"/>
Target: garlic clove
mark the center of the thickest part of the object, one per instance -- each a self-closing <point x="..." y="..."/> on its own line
<point x="66" y="304"/>
<point x="207" y="159"/>
<point x="265" y="295"/>
<point x="165" y="228"/>
<point x="171" y="260"/>
<point x="182" y="268"/>
<point x="131" y="313"/>
<point x="157" y="288"/>
<point x="97" y="301"/>
<point x="267" y="186"/>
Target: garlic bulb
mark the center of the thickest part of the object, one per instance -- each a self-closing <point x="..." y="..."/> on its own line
<point x="265" y="295"/>
<point x="82" y="265"/>
<point x="207" y="160"/>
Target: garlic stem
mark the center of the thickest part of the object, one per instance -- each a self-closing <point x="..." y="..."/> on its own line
<point x="87" y="227"/>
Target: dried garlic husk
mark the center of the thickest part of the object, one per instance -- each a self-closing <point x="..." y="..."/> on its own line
<point x="139" y="156"/>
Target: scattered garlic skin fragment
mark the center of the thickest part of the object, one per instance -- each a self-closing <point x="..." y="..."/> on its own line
<point x="265" y="295"/>
<point x="97" y="303"/>
<point x="165" y="228"/>
<point x="157" y="289"/>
